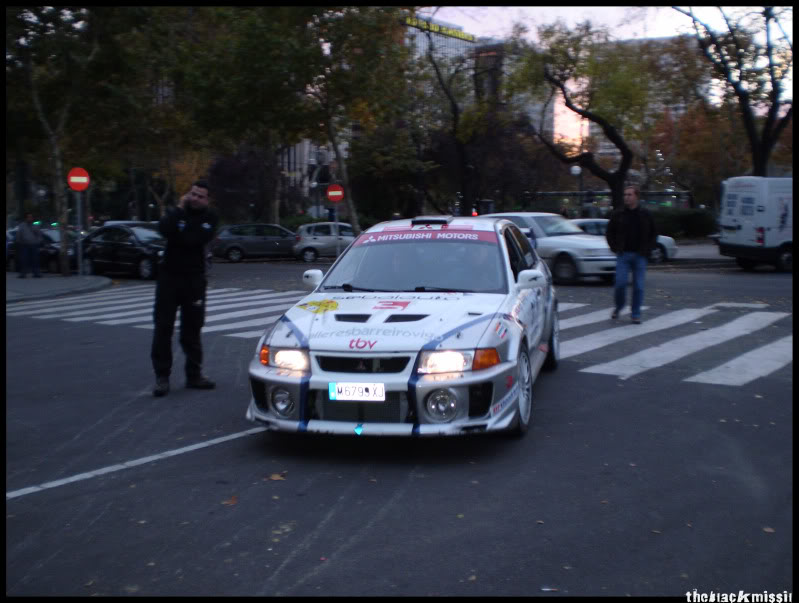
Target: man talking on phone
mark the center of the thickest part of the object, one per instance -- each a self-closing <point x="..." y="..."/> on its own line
<point x="181" y="283"/>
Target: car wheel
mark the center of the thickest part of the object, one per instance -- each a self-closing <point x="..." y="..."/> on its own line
<point x="785" y="259"/>
<point x="234" y="254"/>
<point x="144" y="269"/>
<point x="564" y="270"/>
<point x="608" y="279"/>
<point x="524" y="378"/>
<point x="553" y="355"/>
<point x="658" y="254"/>
<point x="747" y="265"/>
<point x="309" y="255"/>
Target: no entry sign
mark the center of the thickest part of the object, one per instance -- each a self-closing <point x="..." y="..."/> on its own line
<point x="78" y="179"/>
<point x="335" y="192"/>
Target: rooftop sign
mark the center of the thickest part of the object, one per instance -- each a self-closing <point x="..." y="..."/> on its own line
<point x="439" y="29"/>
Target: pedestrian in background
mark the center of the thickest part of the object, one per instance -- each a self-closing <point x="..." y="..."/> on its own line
<point x="631" y="235"/>
<point x="29" y="240"/>
<point x="188" y="228"/>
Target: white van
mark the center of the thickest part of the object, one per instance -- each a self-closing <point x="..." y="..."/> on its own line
<point x="757" y="221"/>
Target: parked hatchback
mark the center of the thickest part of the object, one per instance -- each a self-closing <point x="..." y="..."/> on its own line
<point x="238" y="241"/>
<point x="322" y="239"/>
<point x="665" y="249"/>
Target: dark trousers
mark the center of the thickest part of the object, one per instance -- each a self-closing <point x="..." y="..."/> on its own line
<point x="186" y="292"/>
<point x="28" y="259"/>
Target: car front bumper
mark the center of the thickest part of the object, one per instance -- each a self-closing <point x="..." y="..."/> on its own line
<point x="596" y="266"/>
<point x="487" y="401"/>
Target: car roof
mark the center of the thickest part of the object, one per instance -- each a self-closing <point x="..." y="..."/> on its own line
<point x="531" y="214"/>
<point x="450" y="221"/>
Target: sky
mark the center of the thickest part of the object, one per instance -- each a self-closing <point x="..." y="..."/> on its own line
<point x="623" y="22"/>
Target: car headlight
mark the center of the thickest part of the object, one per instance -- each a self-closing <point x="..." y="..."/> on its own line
<point x="602" y="251"/>
<point x="291" y="359"/>
<point x="454" y="361"/>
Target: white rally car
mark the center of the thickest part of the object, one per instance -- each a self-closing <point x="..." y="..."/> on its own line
<point x="430" y="326"/>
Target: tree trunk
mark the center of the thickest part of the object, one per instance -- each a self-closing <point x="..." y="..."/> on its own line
<point x="345" y="180"/>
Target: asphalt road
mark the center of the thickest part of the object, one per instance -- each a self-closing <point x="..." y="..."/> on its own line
<point x="647" y="485"/>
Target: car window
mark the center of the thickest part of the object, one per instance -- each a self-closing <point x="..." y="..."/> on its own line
<point x="321" y="230"/>
<point x="247" y="230"/>
<point x="518" y="221"/>
<point x="528" y="255"/>
<point x="517" y="263"/>
<point x="147" y="235"/>
<point x="557" y="226"/>
<point x="346" y="230"/>
<point x="270" y="231"/>
<point x="415" y="261"/>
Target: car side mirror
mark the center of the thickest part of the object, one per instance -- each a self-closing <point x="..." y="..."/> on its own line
<point x="531" y="279"/>
<point x="312" y="278"/>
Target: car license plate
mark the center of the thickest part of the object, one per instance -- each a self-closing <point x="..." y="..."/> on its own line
<point x="361" y="392"/>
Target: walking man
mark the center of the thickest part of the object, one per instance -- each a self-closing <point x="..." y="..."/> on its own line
<point x="188" y="228"/>
<point x="29" y="239"/>
<point x="631" y="235"/>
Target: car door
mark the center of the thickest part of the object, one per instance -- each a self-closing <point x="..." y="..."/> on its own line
<point x="101" y="247"/>
<point x="535" y="299"/>
<point x="277" y="241"/>
<point x="322" y="239"/>
<point x="124" y="250"/>
<point x="345" y="236"/>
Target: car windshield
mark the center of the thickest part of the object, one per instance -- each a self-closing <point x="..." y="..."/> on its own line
<point x="147" y="234"/>
<point x="388" y="262"/>
<point x="55" y="234"/>
<point x="554" y="226"/>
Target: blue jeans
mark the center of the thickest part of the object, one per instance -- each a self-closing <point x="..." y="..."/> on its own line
<point x="626" y="262"/>
<point x="28" y="259"/>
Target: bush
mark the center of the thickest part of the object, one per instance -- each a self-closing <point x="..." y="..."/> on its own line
<point x="684" y="223"/>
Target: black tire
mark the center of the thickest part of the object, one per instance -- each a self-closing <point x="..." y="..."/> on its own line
<point x="747" y="265"/>
<point x="553" y="355"/>
<point x="145" y="269"/>
<point x="309" y="254"/>
<point x="524" y="378"/>
<point x="608" y="279"/>
<point x="564" y="270"/>
<point x="658" y="255"/>
<point x="234" y="254"/>
<point x="785" y="259"/>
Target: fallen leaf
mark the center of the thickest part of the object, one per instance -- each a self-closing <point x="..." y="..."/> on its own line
<point x="722" y="420"/>
<point x="758" y="396"/>
<point x="549" y="589"/>
<point x="567" y="567"/>
<point x="688" y="524"/>
<point x="277" y="477"/>
<point x="768" y="530"/>
<point x="656" y="532"/>
<point x="460" y="516"/>
<point x="472" y="578"/>
<point x="683" y="575"/>
<point x="474" y="481"/>
<point x="151" y="564"/>
<point x="322" y="558"/>
<point x="275" y="497"/>
<point x="603" y="502"/>
<point x="633" y="465"/>
<point x="539" y="521"/>
<point x="231" y="501"/>
<point x="373" y="480"/>
<point x="142" y="521"/>
<point x="89" y="583"/>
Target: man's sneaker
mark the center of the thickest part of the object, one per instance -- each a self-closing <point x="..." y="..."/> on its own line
<point x="636" y="320"/>
<point x="615" y="314"/>
<point x="201" y="382"/>
<point x="161" y="387"/>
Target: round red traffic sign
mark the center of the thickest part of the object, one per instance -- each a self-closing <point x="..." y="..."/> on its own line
<point x="335" y="192"/>
<point x="78" y="179"/>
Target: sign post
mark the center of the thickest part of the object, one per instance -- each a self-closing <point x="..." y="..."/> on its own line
<point x="78" y="180"/>
<point x="335" y="193"/>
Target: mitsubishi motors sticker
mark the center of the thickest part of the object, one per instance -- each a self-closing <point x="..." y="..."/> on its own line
<point x="433" y="235"/>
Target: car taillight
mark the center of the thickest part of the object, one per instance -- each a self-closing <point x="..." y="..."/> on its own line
<point x="297" y="238"/>
<point x="760" y="235"/>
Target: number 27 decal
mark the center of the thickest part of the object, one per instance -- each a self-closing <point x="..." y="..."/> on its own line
<point x="391" y="305"/>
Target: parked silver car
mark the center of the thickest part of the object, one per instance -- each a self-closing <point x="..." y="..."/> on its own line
<point x="238" y="241"/>
<point x="320" y="239"/>
<point x="569" y="252"/>
<point x="665" y="250"/>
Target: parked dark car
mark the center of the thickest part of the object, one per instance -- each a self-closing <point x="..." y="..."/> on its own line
<point x="135" y="249"/>
<point x="49" y="252"/>
<point x="238" y="241"/>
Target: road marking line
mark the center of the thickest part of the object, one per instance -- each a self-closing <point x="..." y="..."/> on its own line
<point x="129" y="464"/>
<point x="756" y="306"/>
<point x="72" y="298"/>
<point x="592" y="317"/>
<point x="683" y="346"/>
<point x="248" y="334"/>
<point x="581" y="345"/>
<point x="747" y="367"/>
<point x="568" y="306"/>
<point x="267" y="309"/>
<point x="215" y="304"/>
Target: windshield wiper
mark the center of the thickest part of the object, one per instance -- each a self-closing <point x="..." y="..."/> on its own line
<point x="347" y="287"/>
<point x="448" y="289"/>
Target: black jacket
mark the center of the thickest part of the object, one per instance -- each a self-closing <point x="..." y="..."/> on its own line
<point x="187" y="232"/>
<point x="615" y="233"/>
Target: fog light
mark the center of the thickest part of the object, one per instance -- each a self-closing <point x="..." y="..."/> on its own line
<point x="441" y="406"/>
<point x="282" y="402"/>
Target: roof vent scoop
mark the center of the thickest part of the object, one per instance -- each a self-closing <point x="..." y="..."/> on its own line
<point x="352" y="317"/>
<point x="405" y="317"/>
<point x="420" y="220"/>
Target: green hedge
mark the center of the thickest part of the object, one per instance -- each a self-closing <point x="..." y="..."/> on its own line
<point x="684" y="223"/>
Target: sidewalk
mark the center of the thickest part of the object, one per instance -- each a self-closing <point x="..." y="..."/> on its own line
<point x="50" y="285"/>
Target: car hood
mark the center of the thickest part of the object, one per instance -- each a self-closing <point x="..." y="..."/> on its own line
<point x="386" y="322"/>
<point x="575" y="241"/>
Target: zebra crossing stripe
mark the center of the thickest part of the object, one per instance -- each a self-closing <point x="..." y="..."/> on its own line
<point x="266" y="309"/>
<point x="568" y="306"/>
<point x="214" y="304"/>
<point x="72" y="298"/>
<point x="683" y="346"/>
<point x="76" y="304"/>
<point x="752" y="365"/>
<point x="248" y="334"/>
<point x="262" y="322"/>
<point x="592" y="317"/>
<point x="581" y="345"/>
